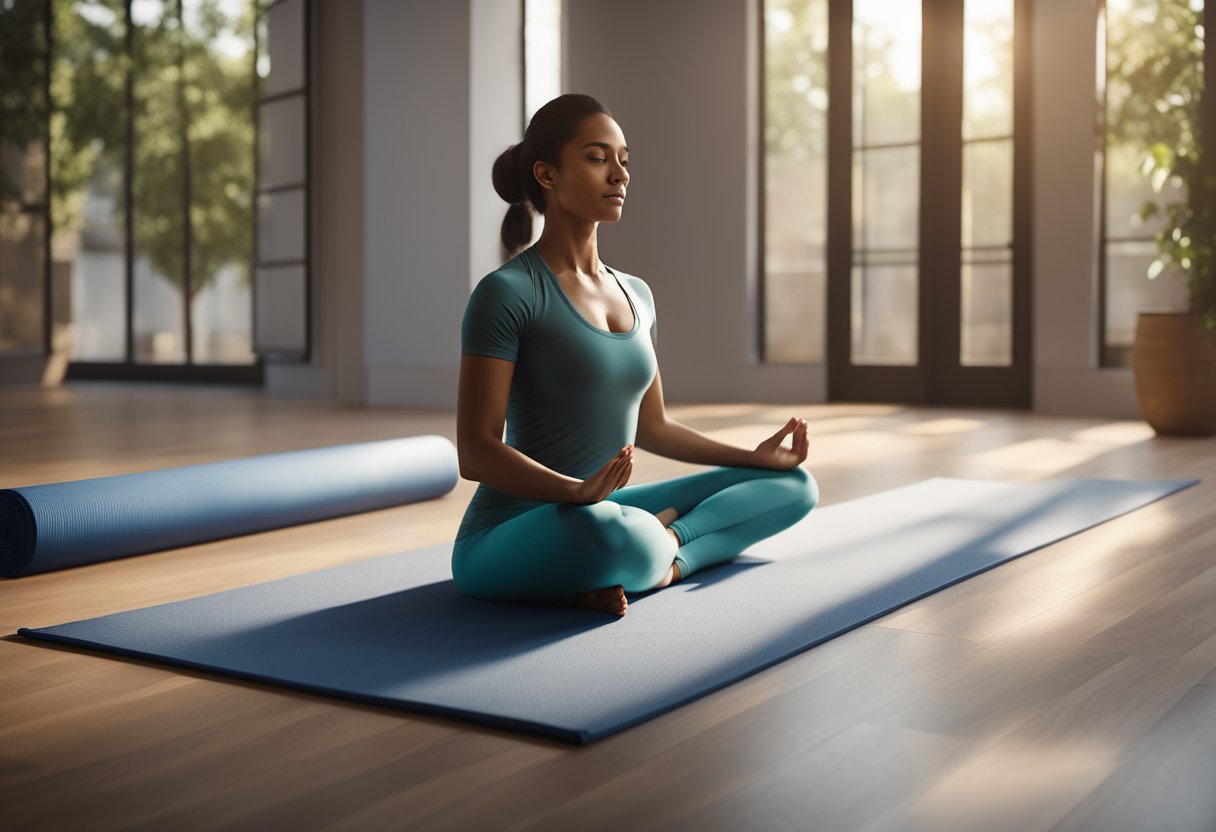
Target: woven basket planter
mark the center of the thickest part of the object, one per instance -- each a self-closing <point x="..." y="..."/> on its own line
<point x="1174" y="366"/>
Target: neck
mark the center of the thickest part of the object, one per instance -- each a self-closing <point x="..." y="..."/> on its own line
<point x="569" y="246"/>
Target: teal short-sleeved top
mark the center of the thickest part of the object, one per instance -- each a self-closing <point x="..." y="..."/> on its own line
<point x="576" y="389"/>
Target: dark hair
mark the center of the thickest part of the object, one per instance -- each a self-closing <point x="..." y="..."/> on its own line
<point x="551" y="126"/>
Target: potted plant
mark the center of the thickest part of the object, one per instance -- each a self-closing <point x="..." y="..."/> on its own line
<point x="1165" y="116"/>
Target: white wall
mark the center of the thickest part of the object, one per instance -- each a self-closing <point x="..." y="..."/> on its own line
<point x="495" y="101"/>
<point x="1067" y="378"/>
<point x="441" y="96"/>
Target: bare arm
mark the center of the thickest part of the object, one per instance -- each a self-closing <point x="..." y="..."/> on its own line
<point x="662" y="435"/>
<point x="481" y="414"/>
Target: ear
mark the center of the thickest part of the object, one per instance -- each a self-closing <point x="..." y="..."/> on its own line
<point x="543" y="172"/>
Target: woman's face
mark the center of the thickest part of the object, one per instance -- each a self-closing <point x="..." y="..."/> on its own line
<point x="594" y="164"/>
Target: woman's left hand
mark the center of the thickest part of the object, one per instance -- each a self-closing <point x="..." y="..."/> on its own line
<point x="772" y="454"/>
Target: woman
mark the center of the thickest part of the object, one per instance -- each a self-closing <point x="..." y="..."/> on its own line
<point x="555" y="343"/>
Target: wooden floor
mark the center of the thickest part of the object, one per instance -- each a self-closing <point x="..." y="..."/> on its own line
<point x="1070" y="689"/>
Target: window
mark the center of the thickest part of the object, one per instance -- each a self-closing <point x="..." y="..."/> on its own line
<point x="542" y="69"/>
<point x="986" y="302"/>
<point x="795" y="179"/>
<point x="282" y="304"/>
<point x="152" y="177"/>
<point x="886" y="181"/>
<point x="895" y="250"/>
<point x="1150" y="76"/>
<point x="542" y="54"/>
<point x="24" y="196"/>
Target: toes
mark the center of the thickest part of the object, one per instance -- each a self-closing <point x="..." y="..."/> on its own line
<point x="610" y="599"/>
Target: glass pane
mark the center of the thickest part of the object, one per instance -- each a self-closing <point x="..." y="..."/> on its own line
<point x="281" y="226"/>
<point x="219" y="66"/>
<point x="280" y="63"/>
<point x="22" y="162"/>
<point x="23" y="223"/>
<point x="886" y="198"/>
<point x="886" y="71"/>
<point x="89" y="142"/>
<point x="222" y="317"/>
<point x="22" y="278"/>
<point x="987" y="314"/>
<point x="1128" y="188"/>
<point x="795" y="223"/>
<point x="281" y="142"/>
<point x="1129" y="290"/>
<point x="159" y="184"/>
<point x="281" y="309"/>
<point x="884" y="325"/>
<point x="95" y="257"/>
<point x="542" y="53"/>
<point x="987" y="68"/>
<point x="987" y="193"/>
<point x="23" y="114"/>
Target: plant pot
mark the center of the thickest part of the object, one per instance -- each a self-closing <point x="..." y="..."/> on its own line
<point x="1174" y="367"/>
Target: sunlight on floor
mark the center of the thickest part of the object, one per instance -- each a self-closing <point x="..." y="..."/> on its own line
<point x="1116" y="433"/>
<point x="942" y="427"/>
<point x="1039" y="456"/>
<point x="1004" y="787"/>
<point x="850" y="447"/>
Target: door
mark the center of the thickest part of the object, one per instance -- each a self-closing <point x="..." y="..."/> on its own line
<point x="928" y="183"/>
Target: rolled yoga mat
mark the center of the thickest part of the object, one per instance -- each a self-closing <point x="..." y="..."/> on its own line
<point x="63" y="524"/>
<point x="396" y="631"/>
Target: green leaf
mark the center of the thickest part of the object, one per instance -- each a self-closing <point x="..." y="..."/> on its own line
<point x="1158" y="178"/>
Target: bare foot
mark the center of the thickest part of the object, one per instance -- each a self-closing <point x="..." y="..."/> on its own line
<point x="610" y="599"/>
<point x="666" y="516"/>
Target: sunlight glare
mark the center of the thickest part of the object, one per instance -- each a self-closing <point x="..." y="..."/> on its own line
<point x="1116" y="433"/>
<point x="893" y="25"/>
<point x="1038" y="456"/>
<point x="942" y="427"/>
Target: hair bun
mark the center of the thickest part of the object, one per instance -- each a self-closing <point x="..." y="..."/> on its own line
<point x="508" y="182"/>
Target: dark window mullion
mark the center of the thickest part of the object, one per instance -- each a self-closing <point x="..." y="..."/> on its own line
<point x="129" y="189"/>
<point x="280" y="95"/>
<point x="989" y="247"/>
<point x="183" y="125"/>
<point x="1102" y="188"/>
<point x="255" y="115"/>
<point x="886" y="145"/>
<point x="276" y="189"/>
<point x="976" y="139"/>
<point x="1130" y="239"/>
<point x="48" y="318"/>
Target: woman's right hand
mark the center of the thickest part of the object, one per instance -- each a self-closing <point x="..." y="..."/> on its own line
<point x="606" y="480"/>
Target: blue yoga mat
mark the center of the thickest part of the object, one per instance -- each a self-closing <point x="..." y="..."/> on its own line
<point x="63" y="524"/>
<point x="395" y="630"/>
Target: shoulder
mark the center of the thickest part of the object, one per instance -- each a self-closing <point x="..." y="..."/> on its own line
<point x="513" y="275"/>
<point x="510" y="283"/>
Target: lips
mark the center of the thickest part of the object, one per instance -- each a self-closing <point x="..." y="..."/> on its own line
<point x="619" y="196"/>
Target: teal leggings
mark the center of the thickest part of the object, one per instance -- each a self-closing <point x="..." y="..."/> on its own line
<point x="556" y="551"/>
